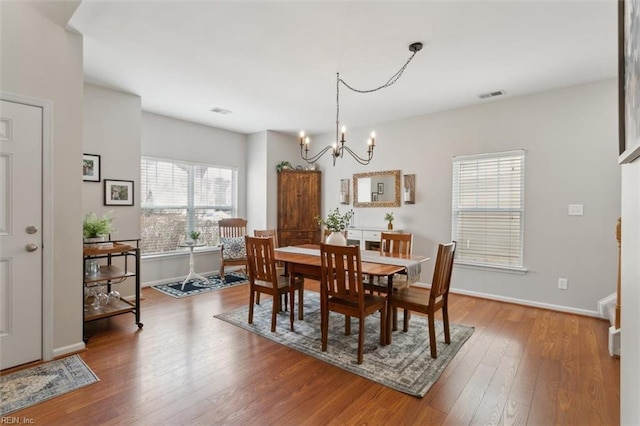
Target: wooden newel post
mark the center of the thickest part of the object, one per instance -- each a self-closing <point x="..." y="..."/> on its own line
<point x="618" y="298"/>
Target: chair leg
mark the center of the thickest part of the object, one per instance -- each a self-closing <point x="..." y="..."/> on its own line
<point x="324" y="326"/>
<point x="251" y="301"/>
<point x="383" y="325"/>
<point x="360" y="340"/>
<point x="395" y="318"/>
<point x="274" y="311"/>
<point x="300" y="302"/>
<point x="432" y="335"/>
<point x="405" y="321"/>
<point x="445" y="323"/>
<point x="347" y="325"/>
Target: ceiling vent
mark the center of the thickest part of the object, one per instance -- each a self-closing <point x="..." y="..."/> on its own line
<point x="491" y="94"/>
<point x="220" y="111"/>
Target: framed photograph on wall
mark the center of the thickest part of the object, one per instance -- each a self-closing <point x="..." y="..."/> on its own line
<point x="380" y="188"/>
<point x="90" y="168"/>
<point x="629" y="80"/>
<point x="118" y="192"/>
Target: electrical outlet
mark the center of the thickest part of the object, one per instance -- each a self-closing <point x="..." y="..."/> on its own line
<point x="563" y="283"/>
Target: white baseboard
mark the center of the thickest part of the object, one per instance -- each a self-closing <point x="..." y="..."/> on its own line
<point x="614" y="341"/>
<point x="604" y="302"/>
<point x="70" y="349"/>
<point x="524" y="302"/>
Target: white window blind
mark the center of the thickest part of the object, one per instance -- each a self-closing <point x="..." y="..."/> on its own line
<point x="488" y="209"/>
<point x="178" y="197"/>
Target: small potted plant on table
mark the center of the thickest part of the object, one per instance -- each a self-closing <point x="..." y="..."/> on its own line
<point x="389" y="218"/>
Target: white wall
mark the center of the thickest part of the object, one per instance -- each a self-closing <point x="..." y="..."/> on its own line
<point x="41" y="59"/>
<point x="166" y="137"/>
<point x="630" y="293"/>
<point x="570" y="138"/>
<point x="112" y="122"/>
<point x="280" y="148"/>
<point x="256" y="182"/>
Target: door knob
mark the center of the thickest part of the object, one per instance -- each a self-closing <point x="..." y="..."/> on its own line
<point x="31" y="247"/>
<point x="31" y="229"/>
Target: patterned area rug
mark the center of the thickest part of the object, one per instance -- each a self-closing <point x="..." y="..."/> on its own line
<point x="194" y="287"/>
<point x="405" y="365"/>
<point x="36" y="384"/>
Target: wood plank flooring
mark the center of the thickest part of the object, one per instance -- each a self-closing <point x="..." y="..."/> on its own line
<point x="521" y="366"/>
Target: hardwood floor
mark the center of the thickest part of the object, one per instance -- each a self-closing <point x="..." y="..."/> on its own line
<point x="521" y="366"/>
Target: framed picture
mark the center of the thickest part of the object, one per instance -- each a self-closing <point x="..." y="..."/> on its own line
<point x="118" y="192"/>
<point x="380" y="188"/>
<point x="374" y="196"/>
<point x="91" y="168"/>
<point x="629" y="80"/>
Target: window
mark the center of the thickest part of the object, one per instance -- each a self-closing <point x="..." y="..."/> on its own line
<point x="488" y="209"/>
<point x="178" y="197"/>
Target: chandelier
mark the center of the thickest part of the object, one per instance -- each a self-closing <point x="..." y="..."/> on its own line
<point x="338" y="148"/>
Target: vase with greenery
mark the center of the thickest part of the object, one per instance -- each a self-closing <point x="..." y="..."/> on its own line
<point x="194" y="235"/>
<point x="336" y="223"/>
<point x="389" y="218"/>
<point x="96" y="228"/>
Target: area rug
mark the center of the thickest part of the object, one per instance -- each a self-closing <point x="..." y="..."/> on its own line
<point x="405" y="365"/>
<point x="193" y="287"/>
<point x="36" y="384"/>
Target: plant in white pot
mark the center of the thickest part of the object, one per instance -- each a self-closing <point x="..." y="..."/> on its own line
<point x="95" y="229"/>
<point x="194" y="235"/>
<point x="336" y="223"/>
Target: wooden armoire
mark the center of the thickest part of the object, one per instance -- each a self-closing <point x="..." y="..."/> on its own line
<point x="298" y="204"/>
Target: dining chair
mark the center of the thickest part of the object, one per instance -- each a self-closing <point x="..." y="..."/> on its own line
<point x="342" y="291"/>
<point x="392" y="243"/>
<point x="233" y="250"/>
<point x="264" y="278"/>
<point x="419" y="300"/>
<point x="272" y="233"/>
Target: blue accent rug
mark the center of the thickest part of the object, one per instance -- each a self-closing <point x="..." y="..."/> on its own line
<point x="30" y="386"/>
<point x="194" y="287"/>
<point x="404" y="365"/>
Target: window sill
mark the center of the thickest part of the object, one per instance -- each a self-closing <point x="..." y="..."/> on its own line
<point x="494" y="268"/>
<point x="179" y="253"/>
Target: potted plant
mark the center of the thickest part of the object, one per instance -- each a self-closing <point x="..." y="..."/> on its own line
<point x="283" y="165"/>
<point x="336" y="223"/>
<point x="194" y="235"/>
<point x="389" y="218"/>
<point x="95" y="229"/>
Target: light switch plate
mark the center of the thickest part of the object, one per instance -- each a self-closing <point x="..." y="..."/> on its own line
<point x="575" y="209"/>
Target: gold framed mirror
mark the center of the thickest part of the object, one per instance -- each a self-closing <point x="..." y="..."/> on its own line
<point x="376" y="189"/>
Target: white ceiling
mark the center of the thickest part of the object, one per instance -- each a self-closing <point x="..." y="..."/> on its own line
<point x="274" y="64"/>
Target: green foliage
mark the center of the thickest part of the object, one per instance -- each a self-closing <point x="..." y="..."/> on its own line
<point x="336" y="221"/>
<point x="94" y="226"/>
<point x="283" y="165"/>
<point x="389" y="217"/>
<point x="194" y="235"/>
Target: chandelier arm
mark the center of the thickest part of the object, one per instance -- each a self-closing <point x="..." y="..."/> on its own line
<point x="363" y="161"/>
<point x="316" y="157"/>
<point x="389" y="82"/>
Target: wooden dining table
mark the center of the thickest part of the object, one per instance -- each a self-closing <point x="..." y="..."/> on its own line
<point x="303" y="262"/>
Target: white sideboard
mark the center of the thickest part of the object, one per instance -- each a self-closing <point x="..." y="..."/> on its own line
<point x="367" y="238"/>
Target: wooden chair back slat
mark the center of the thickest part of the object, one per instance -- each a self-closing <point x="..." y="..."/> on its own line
<point x="234" y="227"/>
<point x="396" y="243"/>
<point x="342" y="270"/>
<point x="442" y="271"/>
<point x="261" y="259"/>
<point x="267" y="233"/>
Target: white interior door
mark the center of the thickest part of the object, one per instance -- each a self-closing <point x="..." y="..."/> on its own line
<point x="20" y="234"/>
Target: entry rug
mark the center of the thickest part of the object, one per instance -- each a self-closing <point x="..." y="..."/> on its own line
<point x="405" y="365"/>
<point x="36" y="384"/>
<point x="194" y="287"/>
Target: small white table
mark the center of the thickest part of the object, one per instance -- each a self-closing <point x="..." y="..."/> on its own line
<point x="192" y="273"/>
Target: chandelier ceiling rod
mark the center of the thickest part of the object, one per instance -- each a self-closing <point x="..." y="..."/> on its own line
<point x="338" y="148"/>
